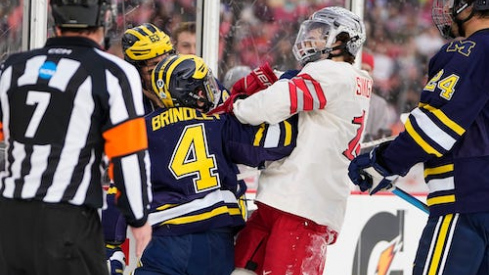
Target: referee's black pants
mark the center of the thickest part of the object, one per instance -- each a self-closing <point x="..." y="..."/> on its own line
<point x="38" y="238"/>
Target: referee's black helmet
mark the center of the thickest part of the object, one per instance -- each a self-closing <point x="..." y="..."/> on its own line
<point x="82" y="13"/>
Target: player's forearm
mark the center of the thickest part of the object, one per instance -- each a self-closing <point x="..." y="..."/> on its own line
<point x="270" y="106"/>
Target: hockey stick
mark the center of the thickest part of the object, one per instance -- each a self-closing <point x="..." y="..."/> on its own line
<point x="377" y="177"/>
<point x="369" y="145"/>
<point x="410" y="199"/>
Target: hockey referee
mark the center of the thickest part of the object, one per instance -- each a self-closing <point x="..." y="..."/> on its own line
<point x="62" y="107"/>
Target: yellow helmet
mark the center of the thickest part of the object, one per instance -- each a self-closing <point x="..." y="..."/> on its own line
<point x="144" y="42"/>
<point x="185" y="80"/>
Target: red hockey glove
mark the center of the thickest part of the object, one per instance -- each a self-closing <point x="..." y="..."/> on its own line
<point x="227" y="106"/>
<point x="259" y="79"/>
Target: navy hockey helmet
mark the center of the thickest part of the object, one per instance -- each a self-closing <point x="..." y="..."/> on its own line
<point x="185" y="81"/>
<point x="82" y="13"/>
<point x="444" y="13"/>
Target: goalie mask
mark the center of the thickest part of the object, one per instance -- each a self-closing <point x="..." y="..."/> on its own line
<point x="444" y="14"/>
<point x="318" y="34"/>
<point x="185" y="81"/>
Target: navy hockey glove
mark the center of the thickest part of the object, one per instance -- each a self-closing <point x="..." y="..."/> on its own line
<point x="368" y="172"/>
<point x="116" y="260"/>
<point x="257" y="80"/>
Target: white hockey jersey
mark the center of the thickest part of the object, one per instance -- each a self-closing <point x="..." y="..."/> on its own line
<point x="332" y="99"/>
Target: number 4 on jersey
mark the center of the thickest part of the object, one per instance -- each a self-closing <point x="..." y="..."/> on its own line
<point x="192" y="159"/>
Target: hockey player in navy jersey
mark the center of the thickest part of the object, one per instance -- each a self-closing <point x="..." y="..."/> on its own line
<point x="448" y="133"/>
<point x="144" y="46"/>
<point x="195" y="212"/>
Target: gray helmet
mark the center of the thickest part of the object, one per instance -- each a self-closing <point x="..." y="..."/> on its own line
<point x="234" y="74"/>
<point x="82" y="13"/>
<point x="318" y="34"/>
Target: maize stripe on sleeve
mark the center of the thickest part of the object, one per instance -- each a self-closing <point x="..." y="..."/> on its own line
<point x="440" y="200"/>
<point x="288" y="133"/>
<point x="419" y="140"/>
<point x="448" y="122"/>
<point x="438" y="170"/>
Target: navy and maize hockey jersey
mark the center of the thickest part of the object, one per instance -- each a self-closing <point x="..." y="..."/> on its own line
<point x="193" y="172"/>
<point x="449" y="130"/>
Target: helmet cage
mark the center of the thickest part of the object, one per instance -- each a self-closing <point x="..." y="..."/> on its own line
<point x="331" y="22"/>
<point x="442" y="13"/>
<point x="212" y="91"/>
<point x="445" y="12"/>
<point x="313" y="40"/>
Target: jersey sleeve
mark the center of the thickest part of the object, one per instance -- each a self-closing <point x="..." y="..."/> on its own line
<point x="283" y="99"/>
<point x="253" y="145"/>
<point x="126" y="144"/>
<point x="452" y="102"/>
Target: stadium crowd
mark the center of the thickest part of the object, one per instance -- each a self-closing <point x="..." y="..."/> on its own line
<point x="399" y="35"/>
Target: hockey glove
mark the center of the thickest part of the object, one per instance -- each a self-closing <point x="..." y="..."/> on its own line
<point x="227" y="106"/>
<point x="259" y="79"/>
<point x="116" y="260"/>
<point x="368" y="172"/>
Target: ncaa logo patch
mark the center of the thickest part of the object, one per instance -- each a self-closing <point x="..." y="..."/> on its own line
<point x="47" y="70"/>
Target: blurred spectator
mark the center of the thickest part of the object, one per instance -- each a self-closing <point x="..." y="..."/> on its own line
<point x="162" y="17"/>
<point x="400" y="35"/>
<point x="11" y="14"/>
<point x="429" y="41"/>
<point x="184" y="38"/>
<point x="378" y="118"/>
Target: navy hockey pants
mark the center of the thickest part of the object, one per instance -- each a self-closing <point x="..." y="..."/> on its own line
<point x="454" y="244"/>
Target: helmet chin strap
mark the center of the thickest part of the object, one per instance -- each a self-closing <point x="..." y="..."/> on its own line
<point x="341" y="47"/>
<point x="460" y="22"/>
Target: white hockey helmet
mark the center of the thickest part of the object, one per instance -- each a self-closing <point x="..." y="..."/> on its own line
<point x="318" y="34"/>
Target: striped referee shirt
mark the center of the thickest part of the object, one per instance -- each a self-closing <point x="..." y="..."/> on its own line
<point x="62" y="107"/>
